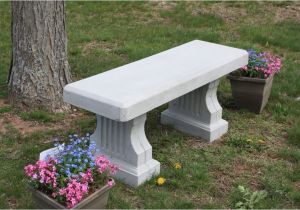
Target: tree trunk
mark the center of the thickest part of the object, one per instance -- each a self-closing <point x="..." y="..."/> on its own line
<point x="40" y="67"/>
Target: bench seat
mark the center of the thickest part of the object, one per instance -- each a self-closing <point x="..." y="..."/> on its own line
<point x="186" y="76"/>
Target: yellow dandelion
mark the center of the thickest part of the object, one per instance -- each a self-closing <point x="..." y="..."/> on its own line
<point x="160" y="181"/>
<point x="177" y="166"/>
<point x="249" y="140"/>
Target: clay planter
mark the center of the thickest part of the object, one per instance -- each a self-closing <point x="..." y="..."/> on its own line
<point x="250" y="93"/>
<point x="97" y="200"/>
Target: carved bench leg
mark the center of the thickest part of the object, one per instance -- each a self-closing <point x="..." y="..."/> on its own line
<point x="126" y="145"/>
<point x="197" y="113"/>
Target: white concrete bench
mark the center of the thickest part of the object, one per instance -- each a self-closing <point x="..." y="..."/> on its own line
<point x="186" y="76"/>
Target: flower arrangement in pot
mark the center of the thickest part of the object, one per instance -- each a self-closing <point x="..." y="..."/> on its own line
<point x="72" y="176"/>
<point x="251" y="85"/>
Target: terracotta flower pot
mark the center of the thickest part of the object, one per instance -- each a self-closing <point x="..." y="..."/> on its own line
<point x="250" y="93"/>
<point x="97" y="200"/>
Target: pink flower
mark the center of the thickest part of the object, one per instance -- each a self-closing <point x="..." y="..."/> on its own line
<point x="87" y="177"/>
<point x="74" y="192"/>
<point x="113" y="169"/>
<point x="104" y="165"/>
<point x="111" y="182"/>
<point x="42" y="172"/>
<point x="62" y="191"/>
<point x="261" y="65"/>
<point x="30" y="170"/>
<point x="245" y="68"/>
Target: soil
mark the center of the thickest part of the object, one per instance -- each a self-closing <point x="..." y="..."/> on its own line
<point x="25" y="127"/>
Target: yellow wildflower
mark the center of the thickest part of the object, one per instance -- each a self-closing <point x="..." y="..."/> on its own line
<point x="160" y="181"/>
<point x="177" y="166"/>
<point x="249" y="140"/>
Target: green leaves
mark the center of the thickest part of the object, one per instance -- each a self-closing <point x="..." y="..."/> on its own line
<point x="250" y="199"/>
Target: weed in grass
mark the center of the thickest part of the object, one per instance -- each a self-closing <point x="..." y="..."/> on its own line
<point x="249" y="200"/>
<point x="247" y="143"/>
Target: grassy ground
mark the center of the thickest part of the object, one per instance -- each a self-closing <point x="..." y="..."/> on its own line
<point x="103" y="35"/>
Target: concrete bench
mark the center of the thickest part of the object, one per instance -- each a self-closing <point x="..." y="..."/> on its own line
<point x="187" y="76"/>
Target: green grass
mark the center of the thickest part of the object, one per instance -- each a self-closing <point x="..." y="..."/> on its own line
<point x="5" y="109"/>
<point x="283" y="34"/>
<point x="294" y="135"/>
<point x="104" y="35"/>
<point x="41" y="116"/>
<point x="5" y="46"/>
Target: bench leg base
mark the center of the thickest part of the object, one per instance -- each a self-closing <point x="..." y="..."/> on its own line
<point x="197" y="113"/>
<point x="194" y="127"/>
<point x="126" y="145"/>
<point x="136" y="176"/>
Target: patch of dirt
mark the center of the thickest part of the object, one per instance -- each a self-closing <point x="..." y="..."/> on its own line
<point x="228" y="14"/>
<point x="297" y="185"/>
<point x="198" y="143"/>
<point x="223" y="180"/>
<point x="105" y="46"/>
<point x="200" y="199"/>
<point x="239" y="167"/>
<point x="156" y="8"/>
<point x="12" y="202"/>
<point x="2" y="125"/>
<point x="26" y="127"/>
<point x="164" y="5"/>
<point x="231" y="14"/>
<point x="291" y="12"/>
<point x="255" y="184"/>
<point x="3" y="102"/>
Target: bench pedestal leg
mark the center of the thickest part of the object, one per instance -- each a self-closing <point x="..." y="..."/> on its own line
<point x="126" y="145"/>
<point x="197" y="113"/>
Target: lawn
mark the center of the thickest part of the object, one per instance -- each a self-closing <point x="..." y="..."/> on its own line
<point x="104" y="35"/>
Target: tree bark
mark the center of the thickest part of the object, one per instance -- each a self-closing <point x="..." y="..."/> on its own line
<point x="40" y="67"/>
